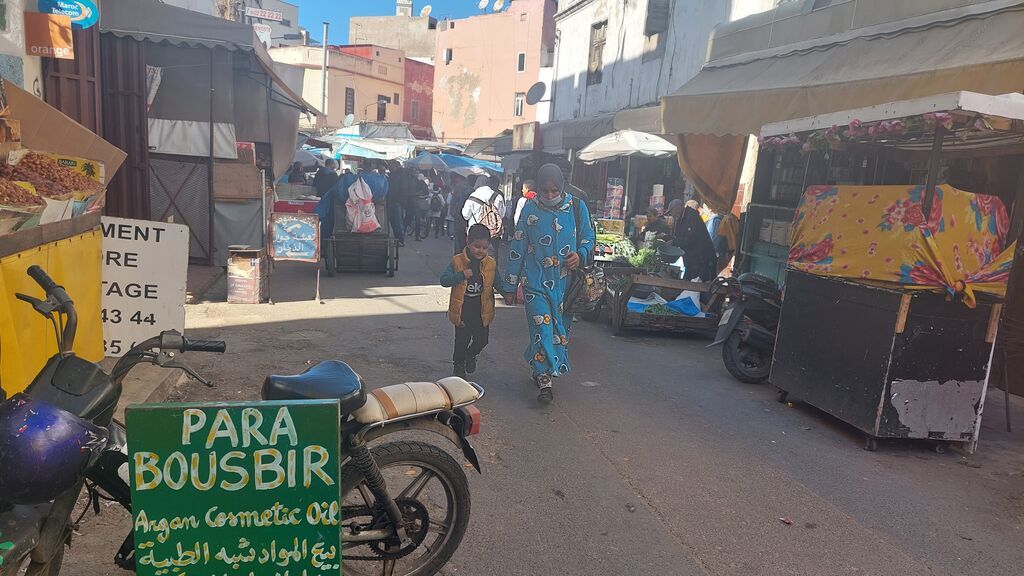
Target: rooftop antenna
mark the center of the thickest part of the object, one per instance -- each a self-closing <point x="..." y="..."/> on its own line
<point x="483" y="4"/>
<point x="426" y="11"/>
<point x="498" y="5"/>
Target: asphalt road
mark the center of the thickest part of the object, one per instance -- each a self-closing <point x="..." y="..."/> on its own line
<point x="651" y="460"/>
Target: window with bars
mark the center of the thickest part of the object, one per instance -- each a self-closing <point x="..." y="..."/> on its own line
<point x="598" y="34"/>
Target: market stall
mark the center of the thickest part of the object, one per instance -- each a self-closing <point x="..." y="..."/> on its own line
<point x="623" y="196"/>
<point x="901" y="237"/>
<point x="53" y="174"/>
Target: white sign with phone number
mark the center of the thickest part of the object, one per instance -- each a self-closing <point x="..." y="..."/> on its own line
<point x="145" y="265"/>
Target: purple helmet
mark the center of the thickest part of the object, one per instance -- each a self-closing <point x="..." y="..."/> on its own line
<point x="43" y="450"/>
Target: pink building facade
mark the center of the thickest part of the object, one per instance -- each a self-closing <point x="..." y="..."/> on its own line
<point x="419" y="98"/>
<point x="484" y="66"/>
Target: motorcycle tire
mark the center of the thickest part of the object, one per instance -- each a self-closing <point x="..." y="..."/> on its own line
<point x="733" y="356"/>
<point x="405" y="454"/>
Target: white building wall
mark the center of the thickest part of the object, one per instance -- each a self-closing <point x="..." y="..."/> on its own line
<point x="631" y="79"/>
<point x="208" y="7"/>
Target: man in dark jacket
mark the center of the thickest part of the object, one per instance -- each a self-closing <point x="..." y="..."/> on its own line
<point x="398" y="192"/>
<point x="326" y="177"/>
<point x="459" y="196"/>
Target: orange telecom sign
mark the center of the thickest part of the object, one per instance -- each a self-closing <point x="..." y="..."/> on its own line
<point x="48" y="35"/>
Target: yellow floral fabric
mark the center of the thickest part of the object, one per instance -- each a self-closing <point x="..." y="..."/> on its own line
<point x="879" y="234"/>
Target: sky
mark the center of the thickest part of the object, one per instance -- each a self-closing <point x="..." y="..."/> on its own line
<point x="313" y="13"/>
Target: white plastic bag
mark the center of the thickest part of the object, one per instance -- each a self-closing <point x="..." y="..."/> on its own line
<point x="361" y="213"/>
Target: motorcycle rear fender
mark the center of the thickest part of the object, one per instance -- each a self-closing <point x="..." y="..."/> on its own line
<point x="444" y="423"/>
<point x="738" y="311"/>
<point x="758" y="337"/>
<point x="21" y="525"/>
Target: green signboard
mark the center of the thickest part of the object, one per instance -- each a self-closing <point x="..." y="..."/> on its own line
<point x="241" y="489"/>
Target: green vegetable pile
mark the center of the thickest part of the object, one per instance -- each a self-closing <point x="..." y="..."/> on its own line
<point x="646" y="258"/>
<point x="661" y="310"/>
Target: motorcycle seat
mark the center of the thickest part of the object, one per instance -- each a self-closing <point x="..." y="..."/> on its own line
<point x="411" y="398"/>
<point x="328" y="380"/>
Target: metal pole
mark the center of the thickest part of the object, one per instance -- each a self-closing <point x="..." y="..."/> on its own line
<point x="625" y="189"/>
<point x="209" y="176"/>
<point x="323" y="76"/>
<point x="933" y="173"/>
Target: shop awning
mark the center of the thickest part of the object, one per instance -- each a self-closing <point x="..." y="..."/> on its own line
<point x="575" y="134"/>
<point x="646" y="119"/>
<point x="975" y="48"/>
<point x="148" y="20"/>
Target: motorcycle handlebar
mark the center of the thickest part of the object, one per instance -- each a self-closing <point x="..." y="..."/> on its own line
<point x="190" y="345"/>
<point x="42" y="278"/>
<point x="60" y="296"/>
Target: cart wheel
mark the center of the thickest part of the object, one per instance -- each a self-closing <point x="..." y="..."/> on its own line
<point x="939" y="447"/>
<point x="329" y="260"/>
<point x="870" y="444"/>
<point x="781" y="396"/>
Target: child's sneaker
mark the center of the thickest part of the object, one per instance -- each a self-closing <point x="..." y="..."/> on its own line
<point x="470" y="365"/>
<point x="460" y="370"/>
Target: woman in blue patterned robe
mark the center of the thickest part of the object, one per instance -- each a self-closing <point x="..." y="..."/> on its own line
<point x="553" y="237"/>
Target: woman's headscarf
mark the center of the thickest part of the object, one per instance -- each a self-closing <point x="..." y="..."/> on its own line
<point x="551" y="173"/>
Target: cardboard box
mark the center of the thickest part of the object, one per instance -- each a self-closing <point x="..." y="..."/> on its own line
<point x="248" y="275"/>
<point x="781" y="232"/>
<point x="236" y="181"/>
<point x="43" y="127"/>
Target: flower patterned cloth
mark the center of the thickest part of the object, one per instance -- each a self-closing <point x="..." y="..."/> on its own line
<point x="543" y="238"/>
<point x="880" y="234"/>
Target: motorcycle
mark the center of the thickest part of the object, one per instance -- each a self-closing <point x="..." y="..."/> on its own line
<point x="748" y="327"/>
<point x="405" y="504"/>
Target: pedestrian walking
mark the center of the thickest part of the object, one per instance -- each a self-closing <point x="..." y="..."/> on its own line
<point x="437" y="211"/>
<point x="554" y="237"/>
<point x="473" y="276"/>
<point x="529" y="193"/>
<point x="460" y="194"/>
<point x="398" y="191"/>
<point x="449" y="220"/>
<point x="421" y="206"/>
<point x="486" y="206"/>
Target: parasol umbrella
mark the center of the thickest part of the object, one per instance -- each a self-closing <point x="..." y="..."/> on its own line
<point x="451" y="163"/>
<point x="626" y="143"/>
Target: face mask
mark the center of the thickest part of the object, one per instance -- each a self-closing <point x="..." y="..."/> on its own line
<point x="551" y="203"/>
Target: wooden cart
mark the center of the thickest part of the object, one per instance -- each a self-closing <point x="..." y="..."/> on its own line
<point x="347" y="251"/>
<point x="712" y="298"/>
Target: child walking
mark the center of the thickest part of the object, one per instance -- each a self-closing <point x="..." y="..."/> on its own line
<point x="472" y="276"/>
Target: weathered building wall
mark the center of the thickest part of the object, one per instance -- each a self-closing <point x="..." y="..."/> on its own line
<point x="476" y="83"/>
<point x="380" y="73"/>
<point x="415" y="36"/>
<point x="637" y="69"/>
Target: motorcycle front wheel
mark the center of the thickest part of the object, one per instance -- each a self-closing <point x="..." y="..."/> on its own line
<point x="746" y="363"/>
<point x="429" y="485"/>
